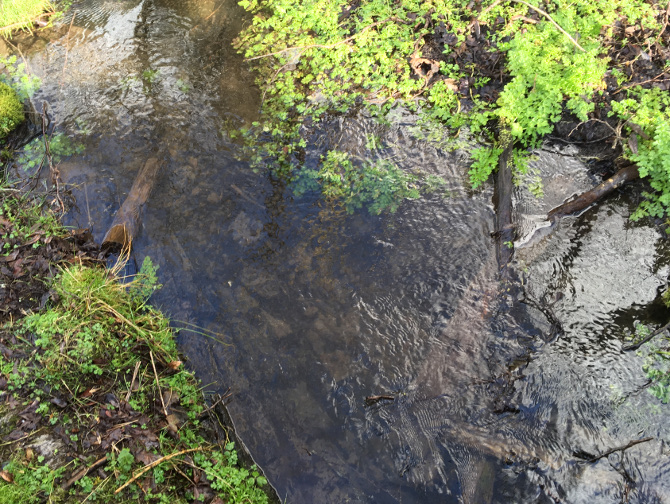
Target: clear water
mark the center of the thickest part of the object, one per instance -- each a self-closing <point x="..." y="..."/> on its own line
<point x="310" y="310"/>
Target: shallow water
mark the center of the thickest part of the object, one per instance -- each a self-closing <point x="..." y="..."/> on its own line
<point x="310" y="310"/>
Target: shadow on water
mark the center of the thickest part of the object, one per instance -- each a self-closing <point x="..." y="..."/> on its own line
<point x="310" y="310"/>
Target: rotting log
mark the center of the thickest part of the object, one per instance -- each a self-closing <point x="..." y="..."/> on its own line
<point x="126" y="224"/>
<point x="504" y="188"/>
<point x="586" y="199"/>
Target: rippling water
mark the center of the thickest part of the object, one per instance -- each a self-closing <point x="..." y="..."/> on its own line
<point x="310" y="310"/>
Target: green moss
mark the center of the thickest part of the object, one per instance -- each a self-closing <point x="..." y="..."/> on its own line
<point x="11" y="110"/>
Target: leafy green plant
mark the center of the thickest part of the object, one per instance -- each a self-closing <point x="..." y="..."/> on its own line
<point x="656" y="365"/>
<point x="31" y="481"/>
<point x="646" y="115"/>
<point x="25" y="221"/>
<point x="60" y="146"/>
<point x="19" y="78"/>
<point x="239" y="484"/>
<point x="315" y="57"/>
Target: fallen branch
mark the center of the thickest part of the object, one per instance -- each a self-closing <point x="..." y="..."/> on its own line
<point x="619" y="448"/>
<point x="154" y="464"/>
<point x="503" y="204"/>
<point x="637" y="345"/>
<point x="376" y="398"/>
<point x="586" y="199"/>
<point x="126" y="224"/>
<point x="83" y="472"/>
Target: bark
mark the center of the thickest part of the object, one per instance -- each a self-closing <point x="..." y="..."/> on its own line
<point x="503" y="202"/>
<point x="586" y="199"/>
<point x="126" y="224"/>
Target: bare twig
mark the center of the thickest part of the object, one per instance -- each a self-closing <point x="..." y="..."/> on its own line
<point x="67" y="42"/>
<point x="155" y="463"/>
<point x="132" y="382"/>
<point x="622" y="88"/>
<point x="637" y="345"/>
<point x="551" y="20"/>
<point x="482" y="13"/>
<point x="620" y="448"/>
<point x="83" y="472"/>
<point x="157" y="384"/>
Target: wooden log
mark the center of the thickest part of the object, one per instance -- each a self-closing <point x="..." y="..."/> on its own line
<point x="586" y="199"/>
<point x="503" y="203"/>
<point x="126" y="224"/>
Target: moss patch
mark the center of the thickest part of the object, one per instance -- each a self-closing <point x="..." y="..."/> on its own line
<point x="11" y="110"/>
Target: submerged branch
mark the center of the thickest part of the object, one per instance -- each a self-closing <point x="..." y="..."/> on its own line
<point x="637" y="345"/>
<point x="503" y="203"/>
<point x="586" y="199"/>
<point x="619" y="448"/>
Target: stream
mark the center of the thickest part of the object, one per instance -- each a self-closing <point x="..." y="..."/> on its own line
<point x="304" y="310"/>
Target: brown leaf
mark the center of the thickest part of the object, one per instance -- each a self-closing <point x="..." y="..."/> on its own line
<point x="173" y="423"/>
<point x="10" y="257"/>
<point x="29" y="454"/>
<point x="146" y="457"/>
<point x="174" y="365"/>
<point x="7" y="476"/>
<point x="89" y="392"/>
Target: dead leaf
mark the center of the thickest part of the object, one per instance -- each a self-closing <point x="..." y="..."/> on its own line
<point x="146" y="457"/>
<point x="173" y="423"/>
<point x="89" y="392"/>
<point x="424" y="67"/>
<point x="174" y="365"/>
<point x="10" y="257"/>
<point x="6" y="476"/>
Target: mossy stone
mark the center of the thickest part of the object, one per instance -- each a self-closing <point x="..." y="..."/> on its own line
<point x="11" y="110"/>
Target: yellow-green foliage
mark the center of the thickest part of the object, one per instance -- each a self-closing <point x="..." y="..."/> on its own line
<point x="11" y="110"/>
<point x="21" y="14"/>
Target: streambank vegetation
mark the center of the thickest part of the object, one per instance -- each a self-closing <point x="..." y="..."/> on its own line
<point x="96" y="404"/>
<point x="490" y="72"/>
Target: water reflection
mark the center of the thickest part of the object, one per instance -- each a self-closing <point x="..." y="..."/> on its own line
<point x="311" y="309"/>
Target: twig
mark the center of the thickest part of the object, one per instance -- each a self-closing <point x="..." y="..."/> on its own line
<point x="157" y="384"/>
<point x="635" y="346"/>
<point x="622" y="88"/>
<point x="55" y="173"/>
<point x="154" y="464"/>
<point x="551" y="20"/>
<point x="376" y="398"/>
<point x="619" y="448"/>
<point x="246" y="196"/>
<point x="328" y="46"/>
<point x="83" y="472"/>
<point x="214" y="12"/>
<point x="221" y="398"/>
<point x="482" y="13"/>
<point x="67" y="43"/>
<point x="132" y="382"/>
